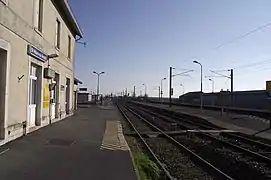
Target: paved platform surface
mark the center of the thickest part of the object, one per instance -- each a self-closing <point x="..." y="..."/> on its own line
<point x="241" y="123"/>
<point x="87" y="146"/>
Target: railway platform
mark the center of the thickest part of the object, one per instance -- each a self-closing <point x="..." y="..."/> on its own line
<point x="241" y="123"/>
<point x="88" y="145"/>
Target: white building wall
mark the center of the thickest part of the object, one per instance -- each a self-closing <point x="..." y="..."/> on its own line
<point x="17" y="30"/>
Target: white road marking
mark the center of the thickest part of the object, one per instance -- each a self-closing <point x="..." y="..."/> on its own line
<point x="6" y="150"/>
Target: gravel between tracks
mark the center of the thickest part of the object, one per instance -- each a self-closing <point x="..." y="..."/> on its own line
<point x="179" y="165"/>
<point x="229" y="161"/>
<point x="140" y="125"/>
<point x="249" y="146"/>
<point x="160" y="123"/>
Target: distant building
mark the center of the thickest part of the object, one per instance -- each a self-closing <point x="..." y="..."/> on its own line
<point x="83" y="97"/>
<point x="75" y="93"/>
<point x="37" y="40"/>
<point x="255" y="99"/>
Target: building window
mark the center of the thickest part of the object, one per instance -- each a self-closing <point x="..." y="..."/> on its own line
<point x="33" y="85"/>
<point x="58" y="30"/>
<point x="38" y="14"/>
<point x="69" y="47"/>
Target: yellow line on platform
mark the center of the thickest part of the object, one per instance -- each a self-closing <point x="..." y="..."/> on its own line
<point x="113" y="138"/>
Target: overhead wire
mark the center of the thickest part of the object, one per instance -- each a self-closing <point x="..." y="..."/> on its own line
<point x="233" y="40"/>
<point x="253" y="64"/>
<point x="236" y="39"/>
<point x="242" y="36"/>
<point x="250" y="72"/>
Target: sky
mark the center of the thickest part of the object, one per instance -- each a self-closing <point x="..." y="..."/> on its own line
<point x="136" y="41"/>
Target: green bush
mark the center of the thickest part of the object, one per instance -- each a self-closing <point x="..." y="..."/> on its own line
<point x="148" y="170"/>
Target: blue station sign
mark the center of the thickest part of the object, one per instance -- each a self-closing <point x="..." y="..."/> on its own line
<point x="36" y="53"/>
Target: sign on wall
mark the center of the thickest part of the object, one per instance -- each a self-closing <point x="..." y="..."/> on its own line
<point x="46" y="96"/>
<point x="36" y="53"/>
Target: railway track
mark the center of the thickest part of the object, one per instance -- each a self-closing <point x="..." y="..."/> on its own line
<point x="252" y="156"/>
<point x="257" y="147"/>
<point x="175" y="159"/>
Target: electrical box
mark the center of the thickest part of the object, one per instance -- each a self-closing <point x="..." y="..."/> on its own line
<point x="49" y="73"/>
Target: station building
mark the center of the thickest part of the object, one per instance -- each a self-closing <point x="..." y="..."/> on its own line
<point x="37" y="42"/>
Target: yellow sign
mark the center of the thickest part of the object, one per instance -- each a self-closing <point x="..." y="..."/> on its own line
<point x="46" y="95"/>
<point x="268" y="86"/>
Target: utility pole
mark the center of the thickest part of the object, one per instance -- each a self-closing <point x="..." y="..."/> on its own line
<point x="213" y="85"/>
<point x="183" y="88"/>
<point x="159" y="92"/>
<point x="232" y="104"/>
<point x="126" y="92"/>
<point x="229" y="77"/>
<point x="201" y="91"/>
<point x="134" y="91"/>
<point x="98" y="84"/>
<point x="161" y="95"/>
<point x="170" y="85"/>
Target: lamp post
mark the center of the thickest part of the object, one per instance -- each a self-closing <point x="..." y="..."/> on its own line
<point x="183" y="88"/>
<point x="162" y="89"/>
<point x="213" y="85"/>
<point x="201" y="100"/>
<point x="98" y="83"/>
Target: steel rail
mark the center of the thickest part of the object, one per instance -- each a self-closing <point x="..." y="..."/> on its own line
<point x="146" y="144"/>
<point x="255" y="142"/>
<point x="211" y="167"/>
<point x="253" y="153"/>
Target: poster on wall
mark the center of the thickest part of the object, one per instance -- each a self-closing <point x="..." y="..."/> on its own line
<point x="46" y="96"/>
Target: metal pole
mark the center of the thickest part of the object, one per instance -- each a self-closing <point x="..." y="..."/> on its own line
<point x="213" y="82"/>
<point x="134" y="91"/>
<point x="159" y="92"/>
<point x="201" y="93"/>
<point x="232" y="104"/>
<point x="213" y="95"/>
<point x="213" y="86"/>
<point x="98" y="85"/>
<point x="170" y="85"/>
<point x="145" y="90"/>
<point x="183" y="89"/>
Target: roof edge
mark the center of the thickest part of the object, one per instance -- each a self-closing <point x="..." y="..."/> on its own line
<point x="77" y="27"/>
<point x="64" y="9"/>
<point x="77" y="81"/>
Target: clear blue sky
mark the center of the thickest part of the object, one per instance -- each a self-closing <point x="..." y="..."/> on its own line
<point x="136" y="41"/>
